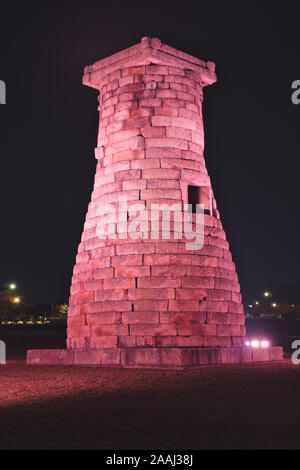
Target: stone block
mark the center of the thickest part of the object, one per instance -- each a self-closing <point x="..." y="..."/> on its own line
<point x="190" y="294"/>
<point x="109" y="330"/>
<point x="179" y="341"/>
<point x="50" y="357"/>
<point x="134" y="318"/>
<point x="103" y="318"/>
<point x="111" y="357"/>
<point x="155" y="294"/>
<point x="246" y="355"/>
<point x="145" y="329"/>
<point x="182" y="317"/>
<point x="184" y="305"/>
<point x="230" y="355"/>
<point x="119" y="283"/>
<point x="140" y="357"/>
<point x="196" y="329"/>
<point x="87" y="357"/>
<point x="103" y="342"/>
<point x="132" y="271"/>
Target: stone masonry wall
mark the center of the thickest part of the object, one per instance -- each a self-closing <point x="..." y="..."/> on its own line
<point x="144" y="292"/>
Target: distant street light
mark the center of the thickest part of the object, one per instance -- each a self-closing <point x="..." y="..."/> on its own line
<point x="274" y="305"/>
<point x="12" y="286"/>
<point x="267" y="294"/>
<point x="256" y="303"/>
<point x="16" y="300"/>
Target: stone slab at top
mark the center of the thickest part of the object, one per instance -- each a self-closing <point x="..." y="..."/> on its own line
<point x="148" y="51"/>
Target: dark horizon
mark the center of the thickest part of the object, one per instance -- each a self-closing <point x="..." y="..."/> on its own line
<point x="50" y="122"/>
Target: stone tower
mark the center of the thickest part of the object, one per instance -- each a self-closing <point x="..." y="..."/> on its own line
<point x="140" y="297"/>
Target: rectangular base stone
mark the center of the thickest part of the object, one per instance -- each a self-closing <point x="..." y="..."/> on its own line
<point x="152" y="358"/>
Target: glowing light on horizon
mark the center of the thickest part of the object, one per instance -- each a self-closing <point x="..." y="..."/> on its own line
<point x="267" y="294"/>
<point x="257" y="344"/>
<point x="16" y="300"/>
<point x="12" y="286"/>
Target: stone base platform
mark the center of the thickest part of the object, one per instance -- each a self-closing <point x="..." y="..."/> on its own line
<point x="152" y="358"/>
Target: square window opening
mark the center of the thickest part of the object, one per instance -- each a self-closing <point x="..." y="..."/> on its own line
<point x="200" y="195"/>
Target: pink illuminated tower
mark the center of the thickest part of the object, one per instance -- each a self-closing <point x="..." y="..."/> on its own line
<point x="145" y="299"/>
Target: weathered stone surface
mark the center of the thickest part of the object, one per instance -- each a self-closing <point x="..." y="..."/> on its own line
<point x="177" y="355"/>
<point x="44" y="357"/>
<point x="139" y="296"/>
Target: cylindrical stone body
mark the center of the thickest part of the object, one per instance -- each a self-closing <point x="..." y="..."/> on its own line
<point x="129" y="291"/>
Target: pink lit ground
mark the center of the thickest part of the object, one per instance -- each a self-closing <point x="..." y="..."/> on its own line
<point x="239" y="407"/>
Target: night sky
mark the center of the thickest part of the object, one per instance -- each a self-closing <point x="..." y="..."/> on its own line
<point x="48" y="129"/>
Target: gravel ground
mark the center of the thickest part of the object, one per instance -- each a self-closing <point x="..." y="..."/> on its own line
<point x="229" y="407"/>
